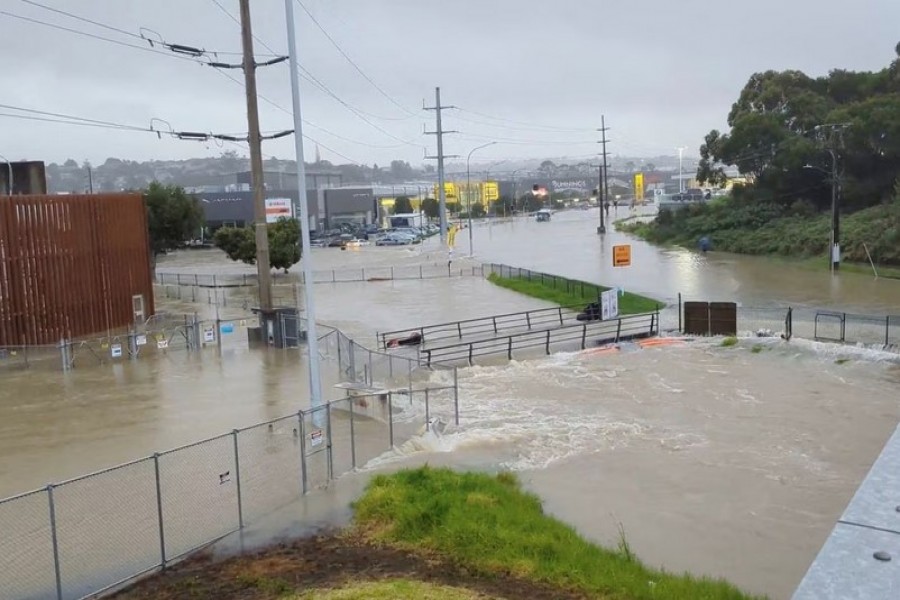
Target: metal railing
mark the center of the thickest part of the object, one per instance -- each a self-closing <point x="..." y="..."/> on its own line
<point x="574" y="335"/>
<point x="96" y="532"/>
<point x="492" y="326"/>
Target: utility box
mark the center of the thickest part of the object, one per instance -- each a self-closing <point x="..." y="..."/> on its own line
<point x="278" y="328"/>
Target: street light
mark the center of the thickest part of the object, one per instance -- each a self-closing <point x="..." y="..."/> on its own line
<point x="835" y="248"/>
<point x="681" y="150"/>
<point x="9" y="183"/>
<point x="469" y="191"/>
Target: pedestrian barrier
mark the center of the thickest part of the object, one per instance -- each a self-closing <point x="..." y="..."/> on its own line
<point x="93" y="533"/>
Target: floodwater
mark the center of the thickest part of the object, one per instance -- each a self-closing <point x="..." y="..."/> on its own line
<point x="725" y="462"/>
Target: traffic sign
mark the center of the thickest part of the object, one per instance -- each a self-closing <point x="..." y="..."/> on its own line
<point x="622" y="255"/>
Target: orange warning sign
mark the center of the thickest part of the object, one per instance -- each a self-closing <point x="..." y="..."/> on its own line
<point x="622" y="255"/>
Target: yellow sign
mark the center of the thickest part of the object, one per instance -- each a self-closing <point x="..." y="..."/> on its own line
<point x="490" y="191"/>
<point x="638" y="186"/>
<point x="450" y="191"/>
<point x="451" y="236"/>
<point x="622" y="255"/>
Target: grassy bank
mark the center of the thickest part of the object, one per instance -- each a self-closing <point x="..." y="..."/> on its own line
<point x="488" y="524"/>
<point x="567" y="292"/>
<point x="746" y="227"/>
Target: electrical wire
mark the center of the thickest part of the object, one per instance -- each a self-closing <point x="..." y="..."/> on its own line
<point x="354" y="64"/>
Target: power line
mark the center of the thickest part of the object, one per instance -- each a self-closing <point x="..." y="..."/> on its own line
<point x="530" y="125"/>
<point x="354" y="64"/>
<point x="97" y="37"/>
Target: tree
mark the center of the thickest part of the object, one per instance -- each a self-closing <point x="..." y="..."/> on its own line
<point x="402" y="205"/>
<point x="431" y="208"/>
<point x="173" y="217"/>
<point x="477" y="210"/>
<point x="284" y="243"/>
<point x="239" y="243"/>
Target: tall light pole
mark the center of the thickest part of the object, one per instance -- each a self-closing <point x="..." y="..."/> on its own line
<point x="469" y="192"/>
<point x="834" y="253"/>
<point x="312" y="339"/>
<point x="9" y="184"/>
<point x="681" y="150"/>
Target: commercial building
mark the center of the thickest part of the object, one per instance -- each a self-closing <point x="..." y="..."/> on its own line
<point x="328" y="208"/>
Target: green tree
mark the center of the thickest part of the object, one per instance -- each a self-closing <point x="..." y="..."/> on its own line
<point x="173" y="217"/>
<point x="284" y="243"/>
<point x="478" y="210"/>
<point x="239" y="243"/>
<point x="453" y="207"/>
<point x="431" y="208"/>
<point x="402" y="205"/>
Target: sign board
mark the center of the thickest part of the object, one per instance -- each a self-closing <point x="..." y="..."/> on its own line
<point x="609" y="304"/>
<point x="638" y="186"/>
<point x="622" y="255"/>
<point x="315" y="437"/>
<point x="490" y="191"/>
<point x="209" y="335"/>
<point x="140" y="340"/>
<point x="278" y="208"/>
<point x="162" y="344"/>
<point x="116" y="350"/>
<point x="227" y="328"/>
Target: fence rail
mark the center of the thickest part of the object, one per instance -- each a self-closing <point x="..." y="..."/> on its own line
<point x="576" y="334"/>
<point x="96" y="532"/>
<point x="493" y="326"/>
<point x="386" y="273"/>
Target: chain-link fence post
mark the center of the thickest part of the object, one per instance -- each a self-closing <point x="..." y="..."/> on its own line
<point x="391" y="418"/>
<point x="330" y="445"/>
<point x="456" y="395"/>
<point x="303" y="481"/>
<point x="237" y="476"/>
<point x="159" y="513"/>
<point x="352" y="436"/>
<point x="55" y="542"/>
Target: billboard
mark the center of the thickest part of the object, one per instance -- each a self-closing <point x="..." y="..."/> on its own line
<point x="490" y="191"/>
<point x="450" y="192"/>
<point x="278" y="208"/>
<point x="638" y="186"/>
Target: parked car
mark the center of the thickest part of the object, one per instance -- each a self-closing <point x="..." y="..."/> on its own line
<point x="394" y="239"/>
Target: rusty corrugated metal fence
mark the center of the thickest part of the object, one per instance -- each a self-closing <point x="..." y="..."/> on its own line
<point x="72" y="266"/>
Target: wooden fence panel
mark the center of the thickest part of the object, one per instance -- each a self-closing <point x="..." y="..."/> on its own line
<point x="70" y="266"/>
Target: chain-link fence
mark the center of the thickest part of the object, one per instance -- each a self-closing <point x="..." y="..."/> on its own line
<point x="96" y="532"/>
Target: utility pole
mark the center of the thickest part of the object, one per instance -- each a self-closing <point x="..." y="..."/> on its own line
<point x="264" y="275"/>
<point x="440" y="158"/>
<point x="832" y="136"/>
<point x="312" y="338"/>
<point x="603" y="185"/>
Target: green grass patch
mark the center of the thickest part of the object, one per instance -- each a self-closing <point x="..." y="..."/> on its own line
<point x="444" y="511"/>
<point x="756" y="349"/>
<point x="569" y="292"/>
<point x="729" y="342"/>
<point x="398" y="589"/>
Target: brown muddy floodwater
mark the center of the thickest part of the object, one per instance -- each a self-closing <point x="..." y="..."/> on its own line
<point x="722" y="461"/>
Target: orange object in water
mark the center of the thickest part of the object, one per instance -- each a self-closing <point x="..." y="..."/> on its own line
<point x="653" y="342"/>
<point x="601" y="350"/>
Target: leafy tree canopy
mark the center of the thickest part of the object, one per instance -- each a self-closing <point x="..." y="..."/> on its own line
<point x="780" y="125"/>
<point x="239" y="243"/>
<point x="402" y="205"/>
<point x="173" y="216"/>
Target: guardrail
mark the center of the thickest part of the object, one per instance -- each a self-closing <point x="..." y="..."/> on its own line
<point x="613" y="330"/>
<point x="494" y="325"/>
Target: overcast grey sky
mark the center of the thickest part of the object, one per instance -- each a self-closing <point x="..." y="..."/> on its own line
<point x="663" y="72"/>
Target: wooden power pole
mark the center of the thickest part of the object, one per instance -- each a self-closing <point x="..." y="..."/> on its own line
<point x="264" y="273"/>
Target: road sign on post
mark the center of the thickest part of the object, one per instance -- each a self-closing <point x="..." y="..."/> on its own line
<point x="622" y="255"/>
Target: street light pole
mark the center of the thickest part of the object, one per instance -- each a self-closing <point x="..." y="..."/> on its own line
<point x="469" y="192"/>
<point x="681" y="150"/>
<point x="9" y="184"/>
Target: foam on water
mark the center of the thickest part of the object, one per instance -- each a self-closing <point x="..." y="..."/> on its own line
<point x="530" y="414"/>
